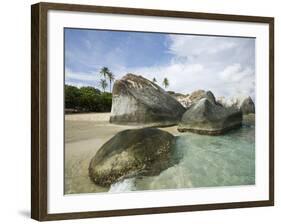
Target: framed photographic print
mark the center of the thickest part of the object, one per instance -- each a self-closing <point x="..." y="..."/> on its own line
<point x="140" y="111"/>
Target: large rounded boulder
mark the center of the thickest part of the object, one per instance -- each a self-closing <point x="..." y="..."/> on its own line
<point x="145" y="151"/>
<point x="136" y="100"/>
<point x="207" y="117"/>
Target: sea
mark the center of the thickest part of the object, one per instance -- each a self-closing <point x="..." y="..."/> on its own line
<point x="206" y="161"/>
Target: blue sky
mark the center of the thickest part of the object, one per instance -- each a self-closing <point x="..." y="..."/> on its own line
<point x="224" y="65"/>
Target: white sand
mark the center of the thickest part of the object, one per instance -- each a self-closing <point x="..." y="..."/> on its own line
<point x="88" y="117"/>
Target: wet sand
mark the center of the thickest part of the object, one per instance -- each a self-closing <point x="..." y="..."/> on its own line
<point x="84" y="135"/>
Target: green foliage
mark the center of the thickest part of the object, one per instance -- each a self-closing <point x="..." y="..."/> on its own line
<point x="111" y="78"/>
<point x="89" y="90"/>
<point x="103" y="84"/>
<point x="72" y="96"/>
<point x="166" y="83"/>
<point x="106" y="74"/>
<point x="87" y="99"/>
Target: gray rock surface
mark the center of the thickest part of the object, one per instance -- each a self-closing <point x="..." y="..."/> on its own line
<point x="145" y="151"/>
<point x="136" y="100"/>
<point x="207" y="117"/>
<point x="247" y="106"/>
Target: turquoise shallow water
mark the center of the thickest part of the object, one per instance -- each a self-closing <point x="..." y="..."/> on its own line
<point x="206" y="161"/>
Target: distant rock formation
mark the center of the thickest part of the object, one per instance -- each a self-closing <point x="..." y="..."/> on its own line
<point x="181" y="98"/>
<point x="136" y="100"/>
<point x="207" y="117"/>
<point x="243" y="103"/>
<point x="189" y="99"/>
<point x="145" y="151"/>
<point x="200" y="94"/>
<point x="247" y="106"/>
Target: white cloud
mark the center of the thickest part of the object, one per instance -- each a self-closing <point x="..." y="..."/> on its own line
<point x="178" y="74"/>
<point x="82" y="79"/>
<point x="76" y="83"/>
<point x="80" y="75"/>
<point x="239" y="80"/>
<point x="228" y="63"/>
<point x="193" y="46"/>
<point x="230" y="71"/>
<point x="235" y="73"/>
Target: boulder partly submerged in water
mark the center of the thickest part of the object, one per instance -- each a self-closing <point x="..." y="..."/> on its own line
<point x="136" y="100"/>
<point x="210" y="118"/>
<point x="145" y="151"/>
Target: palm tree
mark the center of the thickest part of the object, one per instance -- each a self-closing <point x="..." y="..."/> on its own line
<point x="110" y="78"/>
<point x="154" y="80"/>
<point x="104" y="72"/>
<point x="165" y="83"/>
<point x="103" y="84"/>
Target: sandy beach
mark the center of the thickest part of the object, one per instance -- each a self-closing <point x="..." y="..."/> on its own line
<point x="84" y="135"/>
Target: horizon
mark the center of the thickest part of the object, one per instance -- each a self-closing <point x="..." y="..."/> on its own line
<point x="223" y="65"/>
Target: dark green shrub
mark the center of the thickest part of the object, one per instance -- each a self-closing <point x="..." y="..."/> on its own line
<point x="87" y="99"/>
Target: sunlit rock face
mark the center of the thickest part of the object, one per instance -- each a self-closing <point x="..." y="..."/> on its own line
<point x="138" y="101"/>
